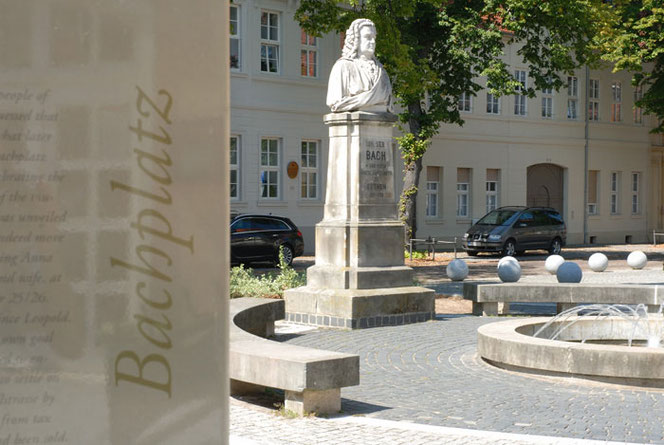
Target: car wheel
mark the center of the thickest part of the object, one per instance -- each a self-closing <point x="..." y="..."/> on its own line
<point x="471" y="252"/>
<point x="509" y="249"/>
<point x="556" y="246"/>
<point x="287" y="253"/>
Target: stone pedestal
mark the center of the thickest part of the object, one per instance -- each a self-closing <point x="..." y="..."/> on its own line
<point x="359" y="279"/>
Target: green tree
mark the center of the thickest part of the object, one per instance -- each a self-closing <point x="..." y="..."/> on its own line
<point x="635" y="42"/>
<point x="435" y="50"/>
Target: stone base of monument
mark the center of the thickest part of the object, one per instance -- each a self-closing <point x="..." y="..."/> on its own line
<point x="359" y="308"/>
<point x="359" y="279"/>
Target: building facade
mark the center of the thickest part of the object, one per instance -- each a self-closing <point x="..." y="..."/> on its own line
<point x="512" y="150"/>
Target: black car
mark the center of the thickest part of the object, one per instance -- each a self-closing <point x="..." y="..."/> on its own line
<point x="257" y="238"/>
<point x="512" y="230"/>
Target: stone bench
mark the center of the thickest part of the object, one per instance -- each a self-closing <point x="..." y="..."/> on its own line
<point x="494" y="298"/>
<point x="311" y="378"/>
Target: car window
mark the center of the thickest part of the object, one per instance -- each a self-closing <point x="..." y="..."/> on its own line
<point x="527" y="219"/>
<point x="498" y="218"/>
<point x="270" y="224"/>
<point x="555" y="218"/>
<point x="243" y="225"/>
<point x="541" y="218"/>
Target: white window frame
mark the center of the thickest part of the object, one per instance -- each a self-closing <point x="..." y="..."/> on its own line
<point x="432" y="199"/>
<point x="547" y="103"/>
<point x="465" y="103"/>
<point x="309" y="171"/>
<point x="269" y="173"/>
<point x="491" y="188"/>
<point x="636" y="192"/>
<point x="309" y="47"/>
<point x="638" y="111"/>
<point x="235" y="35"/>
<point x="614" y="195"/>
<point x="235" y="163"/>
<point x="593" y="206"/>
<point x="492" y="104"/>
<point x="616" y="104"/>
<point x="520" y="99"/>
<point x="463" y="200"/>
<point x="572" y="97"/>
<point x="593" y="100"/>
<point x="267" y="42"/>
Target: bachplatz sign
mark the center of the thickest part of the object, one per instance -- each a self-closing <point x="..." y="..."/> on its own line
<point x="112" y="184"/>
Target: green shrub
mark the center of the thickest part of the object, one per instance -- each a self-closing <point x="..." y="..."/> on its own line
<point x="417" y="254"/>
<point x="245" y="283"/>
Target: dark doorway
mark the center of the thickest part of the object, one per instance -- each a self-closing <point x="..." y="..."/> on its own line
<point x="545" y="186"/>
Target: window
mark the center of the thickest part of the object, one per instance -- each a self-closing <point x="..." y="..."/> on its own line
<point x="636" y="185"/>
<point x="269" y="168"/>
<point x="465" y="102"/>
<point x="520" y="99"/>
<point x="433" y="184"/>
<point x="615" y="187"/>
<point x="235" y="167"/>
<point x="463" y="189"/>
<point x="593" y="176"/>
<point x="308" y="55"/>
<point x="492" y="181"/>
<point x="572" y="97"/>
<point x="593" y="102"/>
<point x="638" y="111"/>
<point x="492" y="104"/>
<point x="235" y="37"/>
<point x="269" y="42"/>
<point x="616" y="103"/>
<point x="547" y="103"/>
<point x="309" y="170"/>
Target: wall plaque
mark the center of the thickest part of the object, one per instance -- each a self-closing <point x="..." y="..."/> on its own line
<point x="292" y="169"/>
<point x="113" y="310"/>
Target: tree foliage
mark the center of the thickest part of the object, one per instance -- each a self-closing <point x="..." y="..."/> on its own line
<point x="634" y="41"/>
<point x="435" y="50"/>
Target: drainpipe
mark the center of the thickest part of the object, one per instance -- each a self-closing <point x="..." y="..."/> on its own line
<point x="585" y="161"/>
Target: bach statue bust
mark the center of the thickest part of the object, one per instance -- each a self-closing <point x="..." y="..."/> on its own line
<point x="358" y="82"/>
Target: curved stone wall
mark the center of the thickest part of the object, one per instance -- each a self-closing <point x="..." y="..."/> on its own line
<point x="510" y="344"/>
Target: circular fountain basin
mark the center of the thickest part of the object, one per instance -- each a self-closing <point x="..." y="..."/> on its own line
<point x="511" y="345"/>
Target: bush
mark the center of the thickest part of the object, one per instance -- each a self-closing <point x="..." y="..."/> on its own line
<point x="417" y="254"/>
<point x="245" y="283"/>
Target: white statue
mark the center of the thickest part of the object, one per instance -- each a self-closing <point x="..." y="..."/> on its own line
<point x="358" y="81"/>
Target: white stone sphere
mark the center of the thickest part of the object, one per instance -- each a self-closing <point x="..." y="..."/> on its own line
<point x="509" y="271"/>
<point x="506" y="258"/>
<point x="598" y="262"/>
<point x="569" y="272"/>
<point x="552" y="263"/>
<point x="637" y="260"/>
<point x="457" y="270"/>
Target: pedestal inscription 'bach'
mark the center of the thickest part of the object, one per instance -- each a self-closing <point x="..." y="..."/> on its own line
<point x="359" y="279"/>
<point x="377" y="171"/>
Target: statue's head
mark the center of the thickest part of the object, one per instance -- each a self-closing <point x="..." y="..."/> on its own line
<point x="360" y="39"/>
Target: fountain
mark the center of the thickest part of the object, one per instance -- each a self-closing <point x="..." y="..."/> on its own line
<point x="639" y="325"/>
<point x="615" y="343"/>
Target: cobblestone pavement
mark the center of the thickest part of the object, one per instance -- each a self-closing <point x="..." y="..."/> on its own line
<point x="424" y="383"/>
<point x="429" y="373"/>
<point x="251" y="426"/>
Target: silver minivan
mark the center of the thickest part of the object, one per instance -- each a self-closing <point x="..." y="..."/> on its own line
<point x="513" y="230"/>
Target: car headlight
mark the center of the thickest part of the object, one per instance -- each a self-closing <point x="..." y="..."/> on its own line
<point x="494" y="237"/>
<point x="465" y="236"/>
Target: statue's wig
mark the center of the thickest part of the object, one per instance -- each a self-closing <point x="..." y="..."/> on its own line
<point x="352" y="41"/>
